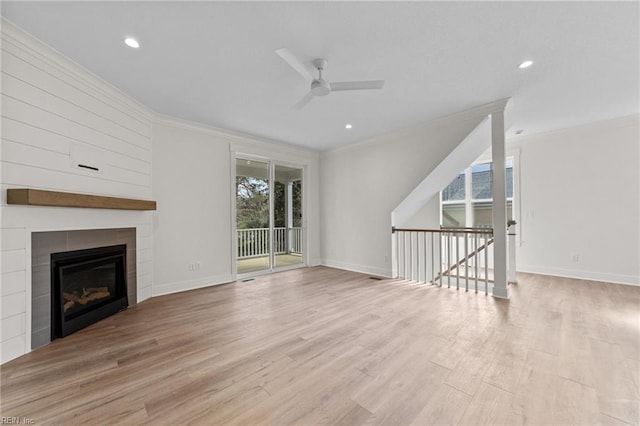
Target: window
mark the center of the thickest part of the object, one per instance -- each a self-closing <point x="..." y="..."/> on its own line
<point x="456" y="190"/>
<point x="468" y="200"/>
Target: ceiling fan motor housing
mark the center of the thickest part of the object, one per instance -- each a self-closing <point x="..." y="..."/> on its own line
<point x="320" y="87"/>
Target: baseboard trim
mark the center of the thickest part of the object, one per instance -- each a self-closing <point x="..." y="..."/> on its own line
<point x="363" y="269"/>
<point x="177" y="287"/>
<point x="315" y="262"/>
<point x="581" y="275"/>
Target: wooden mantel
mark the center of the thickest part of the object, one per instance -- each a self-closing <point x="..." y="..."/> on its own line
<point x="38" y="197"/>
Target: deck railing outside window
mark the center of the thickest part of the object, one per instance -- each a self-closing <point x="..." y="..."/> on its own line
<point x="255" y="242"/>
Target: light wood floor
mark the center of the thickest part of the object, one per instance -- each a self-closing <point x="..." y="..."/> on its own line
<point x="323" y="346"/>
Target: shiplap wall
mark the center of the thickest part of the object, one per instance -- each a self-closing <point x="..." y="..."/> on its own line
<point x="52" y="111"/>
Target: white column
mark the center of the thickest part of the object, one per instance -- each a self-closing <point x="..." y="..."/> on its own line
<point x="289" y="213"/>
<point x="500" y="288"/>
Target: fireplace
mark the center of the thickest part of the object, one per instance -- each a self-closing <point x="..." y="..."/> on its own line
<point x="86" y="286"/>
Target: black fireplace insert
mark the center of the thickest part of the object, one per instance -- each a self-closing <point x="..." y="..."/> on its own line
<point x="87" y="286"/>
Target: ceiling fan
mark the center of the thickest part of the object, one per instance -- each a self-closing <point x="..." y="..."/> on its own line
<point x="320" y="86"/>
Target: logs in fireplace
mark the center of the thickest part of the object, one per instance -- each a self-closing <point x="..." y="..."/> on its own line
<point x="87" y="286"/>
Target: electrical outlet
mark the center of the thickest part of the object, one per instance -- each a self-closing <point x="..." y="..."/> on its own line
<point x="575" y="257"/>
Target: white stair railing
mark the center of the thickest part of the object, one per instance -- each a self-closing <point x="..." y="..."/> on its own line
<point x="459" y="257"/>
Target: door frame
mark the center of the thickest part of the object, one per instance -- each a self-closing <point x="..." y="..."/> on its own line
<point x="272" y="163"/>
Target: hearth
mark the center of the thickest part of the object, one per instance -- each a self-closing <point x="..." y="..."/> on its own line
<point x="87" y="286"/>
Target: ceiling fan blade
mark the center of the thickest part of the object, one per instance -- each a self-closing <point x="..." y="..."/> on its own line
<point x="357" y="85"/>
<point x="302" y="102"/>
<point x="295" y="63"/>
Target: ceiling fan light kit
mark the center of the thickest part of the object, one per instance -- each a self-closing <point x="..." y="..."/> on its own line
<point x="320" y="86"/>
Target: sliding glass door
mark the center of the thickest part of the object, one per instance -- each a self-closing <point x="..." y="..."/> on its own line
<point x="268" y="216"/>
<point x="252" y="216"/>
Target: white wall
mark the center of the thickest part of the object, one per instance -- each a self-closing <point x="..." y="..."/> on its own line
<point x="51" y="107"/>
<point x="580" y="194"/>
<point x="473" y="145"/>
<point x="192" y="169"/>
<point x="361" y="185"/>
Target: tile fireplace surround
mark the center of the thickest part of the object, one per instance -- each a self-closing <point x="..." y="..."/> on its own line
<point x="43" y="244"/>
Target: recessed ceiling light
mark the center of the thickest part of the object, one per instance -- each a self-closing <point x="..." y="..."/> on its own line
<point x="131" y="42"/>
<point x="348" y="126"/>
<point x="525" y="64"/>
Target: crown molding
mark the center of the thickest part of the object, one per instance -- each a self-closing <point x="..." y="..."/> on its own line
<point x="474" y="113"/>
<point x="632" y="120"/>
<point x="235" y="138"/>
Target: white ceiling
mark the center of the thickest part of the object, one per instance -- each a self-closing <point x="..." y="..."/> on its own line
<point x="214" y="62"/>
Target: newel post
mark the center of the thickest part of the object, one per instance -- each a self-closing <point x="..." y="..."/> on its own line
<point x="511" y="270"/>
<point x="500" y="286"/>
